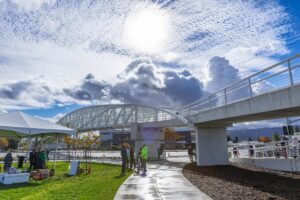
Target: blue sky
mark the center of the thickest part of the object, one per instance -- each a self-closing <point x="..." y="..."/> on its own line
<point x="293" y="8"/>
<point x="59" y="55"/>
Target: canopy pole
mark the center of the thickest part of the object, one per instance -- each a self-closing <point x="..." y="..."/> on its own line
<point x="29" y="148"/>
<point x="18" y="147"/>
<point x="55" y="152"/>
<point x="76" y="140"/>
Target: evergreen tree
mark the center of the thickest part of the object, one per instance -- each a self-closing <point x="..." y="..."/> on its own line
<point x="275" y="137"/>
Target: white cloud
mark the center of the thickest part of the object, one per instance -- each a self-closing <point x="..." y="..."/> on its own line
<point x="62" y="65"/>
<point x="29" y="5"/>
<point x="260" y="124"/>
<point x="64" y="41"/>
<point x="2" y="111"/>
<point x="262" y="87"/>
<point x="31" y="93"/>
<point x="53" y="119"/>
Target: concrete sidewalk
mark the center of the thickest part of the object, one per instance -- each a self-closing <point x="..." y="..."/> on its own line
<point x="163" y="180"/>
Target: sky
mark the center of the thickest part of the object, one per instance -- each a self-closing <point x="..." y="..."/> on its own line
<point x="60" y="55"/>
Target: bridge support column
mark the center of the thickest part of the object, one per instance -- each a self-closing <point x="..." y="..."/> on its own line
<point x="149" y="136"/>
<point x="211" y="146"/>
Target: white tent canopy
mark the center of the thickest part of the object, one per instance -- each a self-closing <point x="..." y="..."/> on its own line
<point x="18" y="124"/>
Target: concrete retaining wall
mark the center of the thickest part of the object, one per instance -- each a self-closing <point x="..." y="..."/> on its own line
<point x="289" y="165"/>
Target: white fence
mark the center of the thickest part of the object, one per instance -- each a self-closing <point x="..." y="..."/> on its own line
<point x="281" y="149"/>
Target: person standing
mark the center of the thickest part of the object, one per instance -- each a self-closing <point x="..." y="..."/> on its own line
<point x="37" y="164"/>
<point x="128" y="155"/>
<point x="132" y="161"/>
<point x="8" y="162"/>
<point x="191" y="153"/>
<point x="43" y="159"/>
<point x="32" y="160"/>
<point x="158" y="153"/>
<point x="124" y="159"/>
<point x="251" y="151"/>
<point x="144" y="158"/>
<point x="139" y="160"/>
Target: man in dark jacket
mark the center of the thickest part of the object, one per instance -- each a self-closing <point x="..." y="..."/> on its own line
<point x="124" y="159"/>
<point x="8" y="162"/>
<point x="32" y="160"/>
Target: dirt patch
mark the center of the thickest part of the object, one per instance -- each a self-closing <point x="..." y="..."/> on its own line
<point x="243" y="182"/>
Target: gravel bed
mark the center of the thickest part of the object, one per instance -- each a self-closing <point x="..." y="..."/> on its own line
<point x="243" y="182"/>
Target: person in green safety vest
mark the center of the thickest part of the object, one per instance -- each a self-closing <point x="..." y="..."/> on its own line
<point x="144" y="158"/>
<point x="43" y="159"/>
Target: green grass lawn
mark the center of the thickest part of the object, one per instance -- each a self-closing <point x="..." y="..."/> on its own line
<point x="101" y="184"/>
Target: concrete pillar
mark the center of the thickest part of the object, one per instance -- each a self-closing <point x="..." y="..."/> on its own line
<point x="149" y="136"/>
<point x="211" y="146"/>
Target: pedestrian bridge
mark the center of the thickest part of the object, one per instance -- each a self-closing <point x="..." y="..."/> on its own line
<point x="114" y="116"/>
<point x="144" y="122"/>
<point x="271" y="93"/>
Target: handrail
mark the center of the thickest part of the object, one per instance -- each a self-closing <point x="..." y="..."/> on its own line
<point x="284" y="148"/>
<point x="247" y="84"/>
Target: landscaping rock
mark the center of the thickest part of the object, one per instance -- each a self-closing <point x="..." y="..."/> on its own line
<point x="243" y="182"/>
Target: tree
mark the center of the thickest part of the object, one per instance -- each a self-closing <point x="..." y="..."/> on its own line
<point x="171" y="135"/>
<point x="275" y="137"/>
<point x="13" y="144"/>
<point x="4" y="143"/>
<point x="70" y="143"/>
<point x="264" y="139"/>
<point x="88" y="142"/>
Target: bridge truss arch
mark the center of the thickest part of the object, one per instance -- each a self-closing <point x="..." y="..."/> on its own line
<point x="115" y="116"/>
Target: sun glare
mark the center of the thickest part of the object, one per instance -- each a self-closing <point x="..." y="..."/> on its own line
<point x="147" y="30"/>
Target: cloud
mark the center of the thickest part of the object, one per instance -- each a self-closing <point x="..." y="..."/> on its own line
<point x="63" y="41"/>
<point x="182" y="87"/>
<point x="196" y="31"/>
<point x="262" y="87"/>
<point x="144" y="83"/>
<point x="38" y="93"/>
<point x="260" y="124"/>
<point x="89" y="89"/>
<point x="2" y="111"/>
<point x="34" y="93"/>
<point x="30" y="5"/>
<point x="62" y="65"/>
<point x="220" y="74"/>
<point x="53" y="119"/>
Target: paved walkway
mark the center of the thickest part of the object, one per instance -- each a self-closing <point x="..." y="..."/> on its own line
<point x="164" y="180"/>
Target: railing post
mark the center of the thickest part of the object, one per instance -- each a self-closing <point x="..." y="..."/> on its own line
<point x="250" y="88"/>
<point x="209" y="99"/>
<point x="225" y="96"/>
<point x="290" y="73"/>
<point x="297" y="148"/>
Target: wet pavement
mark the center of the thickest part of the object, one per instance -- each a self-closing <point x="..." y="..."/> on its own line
<point x="163" y="180"/>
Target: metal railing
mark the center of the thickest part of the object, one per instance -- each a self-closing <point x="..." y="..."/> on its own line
<point x="281" y="75"/>
<point x="281" y="149"/>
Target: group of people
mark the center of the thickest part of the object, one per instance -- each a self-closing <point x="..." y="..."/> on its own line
<point x="130" y="160"/>
<point x="37" y="159"/>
